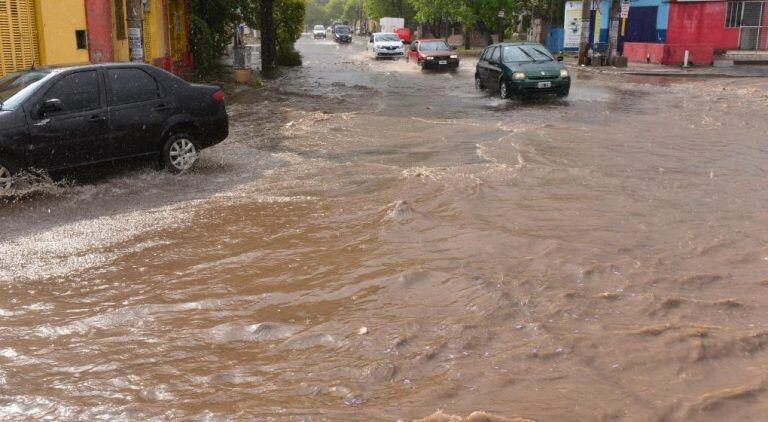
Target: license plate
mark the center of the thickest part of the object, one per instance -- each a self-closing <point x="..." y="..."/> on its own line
<point x="545" y="85"/>
<point x="443" y="62"/>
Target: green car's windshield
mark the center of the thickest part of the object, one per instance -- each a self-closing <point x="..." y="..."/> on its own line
<point x="17" y="87"/>
<point x="435" y="46"/>
<point x="526" y="53"/>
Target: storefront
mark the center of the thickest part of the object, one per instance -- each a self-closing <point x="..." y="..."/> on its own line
<point x="165" y="32"/>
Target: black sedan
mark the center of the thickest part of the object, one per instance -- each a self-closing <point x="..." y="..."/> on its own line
<point x="53" y="119"/>
<point x="342" y="34"/>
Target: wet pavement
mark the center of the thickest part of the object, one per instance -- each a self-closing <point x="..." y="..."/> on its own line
<point x="375" y="242"/>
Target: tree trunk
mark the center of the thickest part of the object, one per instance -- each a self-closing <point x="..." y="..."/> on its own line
<point x="268" y="37"/>
<point x="467" y="37"/>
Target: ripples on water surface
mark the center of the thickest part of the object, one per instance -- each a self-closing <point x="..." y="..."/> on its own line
<point x="378" y="243"/>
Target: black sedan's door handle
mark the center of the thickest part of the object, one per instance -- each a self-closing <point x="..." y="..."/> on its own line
<point x="162" y="107"/>
<point x="97" y="119"/>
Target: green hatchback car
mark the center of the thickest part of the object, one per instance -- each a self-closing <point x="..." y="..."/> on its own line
<point x="522" y="69"/>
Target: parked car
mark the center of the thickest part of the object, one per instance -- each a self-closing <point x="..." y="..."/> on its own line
<point x="57" y="118"/>
<point x="522" y="69"/>
<point x="433" y="54"/>
<point x="342" y="34"/>
<point x="404" y="34"/>
<point x="318" y="32"/>
<point x="386" y="44"/>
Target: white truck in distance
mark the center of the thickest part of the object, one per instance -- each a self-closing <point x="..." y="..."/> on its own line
<point x="390" y="24"/>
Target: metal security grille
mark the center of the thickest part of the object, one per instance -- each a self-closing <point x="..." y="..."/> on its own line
<point x="18" y="36"/>
<point x="749" y="17"/>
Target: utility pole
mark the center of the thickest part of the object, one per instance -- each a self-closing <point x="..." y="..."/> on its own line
<point x="134" y="18"/>
<point x="586" y="9"/>
<point x="613" y="30"/>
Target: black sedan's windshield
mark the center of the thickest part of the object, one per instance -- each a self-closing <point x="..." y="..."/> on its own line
<point x="526" y="53"/>
<point x="342" y="30"/>
<point x="16" y="87"/>
<point x="435" y="46"/>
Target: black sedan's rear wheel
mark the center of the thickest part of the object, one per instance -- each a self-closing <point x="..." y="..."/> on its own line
<point x="7" y="171"/>
<point x="180" y="153"/>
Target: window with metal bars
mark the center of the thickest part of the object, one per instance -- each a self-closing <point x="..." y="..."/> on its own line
<point x="733" y="13"/>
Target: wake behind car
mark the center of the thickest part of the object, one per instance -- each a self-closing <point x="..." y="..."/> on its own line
<point x="342" y="34"/>
<point x="433" y="54"/>
<point x="386" y="44"/>
<point x="53" y="119"/>
<point x="522" y="69"/>
<point x="318" y="32"/>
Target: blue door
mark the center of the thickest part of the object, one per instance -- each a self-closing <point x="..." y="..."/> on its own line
<point x="641" y="26"/>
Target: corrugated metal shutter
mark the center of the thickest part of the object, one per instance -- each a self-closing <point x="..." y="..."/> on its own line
<point x="18" y="36"/>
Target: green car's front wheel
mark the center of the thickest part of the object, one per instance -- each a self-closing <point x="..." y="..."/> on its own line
<point x="503" y="89"/>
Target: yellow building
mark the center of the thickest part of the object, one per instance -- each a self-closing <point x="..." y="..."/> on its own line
<point x="165" y="33"/>
<point x="62" y="32"/>
<point x="66" y="32"/>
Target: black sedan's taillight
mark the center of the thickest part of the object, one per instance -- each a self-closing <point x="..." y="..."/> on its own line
<point x="218" y="96"/>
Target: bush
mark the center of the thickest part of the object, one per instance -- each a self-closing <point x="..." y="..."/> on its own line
<point x="288" y="57"/>
<point x="202" y="45"/>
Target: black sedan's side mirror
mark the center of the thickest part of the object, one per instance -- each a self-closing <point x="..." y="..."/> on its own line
<point x="50" y="106"/>
<point x="559" y="58"/>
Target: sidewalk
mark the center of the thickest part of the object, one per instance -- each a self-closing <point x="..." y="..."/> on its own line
<point x="737" y="71"/>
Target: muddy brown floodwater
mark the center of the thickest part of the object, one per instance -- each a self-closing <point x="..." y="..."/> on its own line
<point x="377" y="243"/>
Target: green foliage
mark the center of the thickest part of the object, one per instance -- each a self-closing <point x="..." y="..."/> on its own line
<point x="202" y="46"/>
<point x="335" y="10"/>
<point x="288" y="57"/>
<point x="289" y="18"/>
<point x="315" y="15"/>
<point x="354" y="10"/>
<point x="213" y="23"/>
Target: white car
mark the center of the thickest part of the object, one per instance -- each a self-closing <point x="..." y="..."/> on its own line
<point x="319" y="32"/>
<point x="386" y="44"/>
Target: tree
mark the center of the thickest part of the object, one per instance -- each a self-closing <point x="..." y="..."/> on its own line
<point x="353" y="10"/>
<point x="289" y="15"/>
<point x="335" y="10"/>
<point x="315" y="14"/>
<point x="268" y="37"/>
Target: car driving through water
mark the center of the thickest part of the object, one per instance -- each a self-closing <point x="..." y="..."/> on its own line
<point x="342" y="34"/>
<point x="318" y="32"/>
<point x="57" y="118"/>
<point x="386" y="44"/>
<point x="433" y="54"/>
<point x="522" y="69"/>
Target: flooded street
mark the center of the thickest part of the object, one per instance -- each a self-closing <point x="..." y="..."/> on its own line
<point x="374" y="242"/>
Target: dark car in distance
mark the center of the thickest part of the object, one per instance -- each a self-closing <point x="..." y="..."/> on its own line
<point x="523" y="69"/>
<point x="342" y="34"/>
<point x="433" y="54"/>
<point x="58" y="118"/>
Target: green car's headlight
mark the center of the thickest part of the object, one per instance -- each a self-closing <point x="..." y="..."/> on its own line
<point x="564" y="73"/>
<point x="518" y="76"/>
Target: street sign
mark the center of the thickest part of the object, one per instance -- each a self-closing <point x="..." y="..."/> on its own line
<point x="501" y="13"/>
<point x="624" y="9"/>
